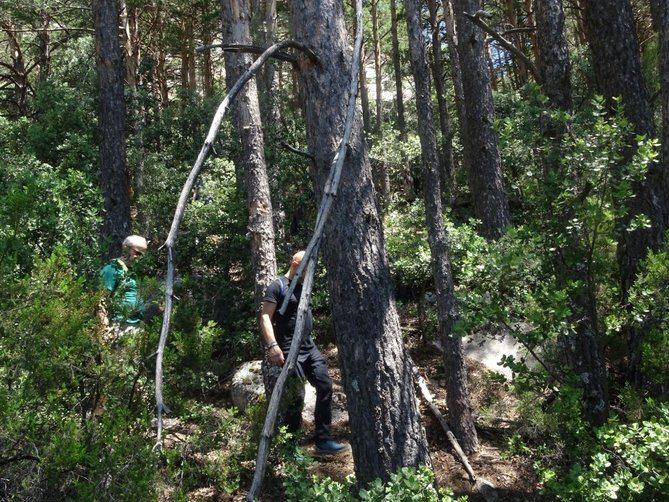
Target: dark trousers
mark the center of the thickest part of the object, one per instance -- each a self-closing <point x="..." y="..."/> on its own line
<point x="314" y="368"/>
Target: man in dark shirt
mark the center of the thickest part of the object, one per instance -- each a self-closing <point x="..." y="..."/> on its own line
<point x="277" y="332"/>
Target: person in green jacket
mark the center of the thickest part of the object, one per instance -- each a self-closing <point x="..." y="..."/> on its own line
<point x="122" y="309"/>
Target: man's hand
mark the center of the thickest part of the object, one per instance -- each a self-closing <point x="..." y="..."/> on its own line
<point x="276" y="356"/>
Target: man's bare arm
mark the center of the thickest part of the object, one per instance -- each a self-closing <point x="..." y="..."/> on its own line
<point x="267" y="330"/>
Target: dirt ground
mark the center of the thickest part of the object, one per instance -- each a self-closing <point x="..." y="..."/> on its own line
<point x="513" y="478"/>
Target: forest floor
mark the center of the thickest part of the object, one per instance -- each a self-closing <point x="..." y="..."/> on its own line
<point x="512" y="476"/>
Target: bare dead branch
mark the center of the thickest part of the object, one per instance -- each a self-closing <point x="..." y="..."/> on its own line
<point x="254" y="49"/>
<point x="296" y="150"/>
<point x="179" y="212"/>
<point x="18" y="458"/>
<point x="477" y="19"/>
<point x="429" y="400"/>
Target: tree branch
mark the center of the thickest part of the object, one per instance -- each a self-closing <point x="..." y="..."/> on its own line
<point x="181" y="207"/>
<point x="296" y="150"/>
<point x="18" y="458"/>
<point x="256" y="49"/>
<point x="477" y="19"/>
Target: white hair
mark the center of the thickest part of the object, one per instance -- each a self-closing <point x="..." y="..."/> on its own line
<point x="136" y="242"/>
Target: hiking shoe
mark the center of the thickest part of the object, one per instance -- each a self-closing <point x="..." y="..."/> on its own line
<point x="329" y="447"/>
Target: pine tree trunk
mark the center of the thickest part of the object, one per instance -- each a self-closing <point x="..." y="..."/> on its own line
<point x="512" y="21"/>
<point x="661" y="21"/>
<point x="376" y="372"/>
<point x="456" y="73"/>
<point x="553" y="62"/>
<point x="457" y="395"/>
<point x="397" y="70"/>
<point x="617" y="66"/>
<point x="479" y="138"/>
<point x="581" y="345"/>
<point x="44" y="46"/>
<point x="111" y="125"/>
<point x="446" y="170"/>
<point x="364" y="95"/>
<point x="377" y="65"/>
<point x="246" y="116"/>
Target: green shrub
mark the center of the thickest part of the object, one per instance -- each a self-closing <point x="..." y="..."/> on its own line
<point x="628" y="462"/>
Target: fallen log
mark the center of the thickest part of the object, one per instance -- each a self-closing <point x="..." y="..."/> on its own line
<point x="482" y="486"/>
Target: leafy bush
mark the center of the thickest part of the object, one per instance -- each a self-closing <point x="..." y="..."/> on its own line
<point x="628" y="462"/>
<point x="67" y="400"/>
<point x="407" y="484"/>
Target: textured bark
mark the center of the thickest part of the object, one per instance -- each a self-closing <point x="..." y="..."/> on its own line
<point x="512" y="21"/>
<point x="446" y="158"/>
<point x="377" y="65"/>
<point x="17" y="69"/>
<point x="264" y="26"/>
<point x="131" y="54"/>
<point x="207" y="68"/>
<point x="364" y="94"/>
<point x="188" y="54"/>
<point x="581" y="345"/>
<point x="44" y="39"/>
<point x="397" y="70"/>
<point x="553" y="59"/>
<point x="111" y="122"/>
<point x="376" y="372"/>
<point x="457" y="394"/>
<point x="616" y="61"/>
<point x="269" y="87"/>
<point x="479" y="138"/>
<point x="661" y="21"/>
<point x="456" y="70"/>
<point x="246" y="117"/>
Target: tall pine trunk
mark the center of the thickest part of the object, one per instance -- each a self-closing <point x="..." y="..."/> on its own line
<point x="375" y="369"/>
<point x="377" y="65"/>
<point x="246" y="116"/>
<point x="446" y="171"/>
<point x="111" y="125"/>
<point x="616" y="62"/>
<point x="397" y="71"/>
<point x="457" y="395"/>
<point x="479" y="139"/>
<point x="581" y="344"/>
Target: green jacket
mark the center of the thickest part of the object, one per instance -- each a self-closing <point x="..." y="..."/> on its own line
<point x="125" y="304"/>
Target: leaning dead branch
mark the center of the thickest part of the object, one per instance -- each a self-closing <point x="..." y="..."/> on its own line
<point x="277" y="391"/>
<point x="429" y="400"/>
<point x="477" y="19"/>
<point x="253" y="49"/>
<point x="181" y="206"/>
<point x="482" y="486"/>
<point x="308" y="262"/>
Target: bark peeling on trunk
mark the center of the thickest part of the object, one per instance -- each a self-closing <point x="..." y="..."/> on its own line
<point x="376" y="372"/>
<point x="246" y="116"/>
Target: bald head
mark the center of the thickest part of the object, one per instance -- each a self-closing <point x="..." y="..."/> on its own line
<point x="294" y="263"/>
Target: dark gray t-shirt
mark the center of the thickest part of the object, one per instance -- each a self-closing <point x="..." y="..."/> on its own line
<point x="284" y="325"/>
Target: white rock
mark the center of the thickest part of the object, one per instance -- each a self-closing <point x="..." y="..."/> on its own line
<point x="247" y="385"/>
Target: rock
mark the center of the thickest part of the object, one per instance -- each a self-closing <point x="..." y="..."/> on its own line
<point x="247" y="385"/>
<point x="486" y="489"/>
